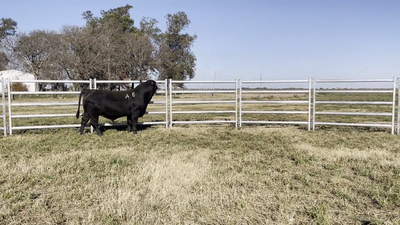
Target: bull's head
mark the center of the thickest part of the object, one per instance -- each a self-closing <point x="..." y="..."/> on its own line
<point x="153" y="83"/>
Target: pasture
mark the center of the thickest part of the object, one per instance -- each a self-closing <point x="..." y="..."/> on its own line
<point x="203" y="174"/>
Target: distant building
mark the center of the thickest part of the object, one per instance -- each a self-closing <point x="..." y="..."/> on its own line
<point x="19" y="75"/>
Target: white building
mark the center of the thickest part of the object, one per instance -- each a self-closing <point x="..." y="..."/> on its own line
<point x="18" y="75"/>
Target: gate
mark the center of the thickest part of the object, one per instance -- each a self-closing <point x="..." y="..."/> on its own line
<point x="286" y="92"/>
<point x="385" y="98"/>
<point x="24" y="109"/>
<point x="223" y="99"/>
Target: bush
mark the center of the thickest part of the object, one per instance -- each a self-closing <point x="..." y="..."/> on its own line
<point x="19" y="87"/>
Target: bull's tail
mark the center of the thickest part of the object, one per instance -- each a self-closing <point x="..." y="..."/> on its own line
<point x="79" y="104"/>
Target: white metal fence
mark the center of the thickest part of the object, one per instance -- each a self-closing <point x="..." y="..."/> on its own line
<point x="12" y="105"/>
<point x="91" y="84"/>
<point x="235" y="103"/>
<point x="232" y="90"/>
<point x="360" y="111"/>
<point x="305" y="90"/>
<point x="3" y="107"/>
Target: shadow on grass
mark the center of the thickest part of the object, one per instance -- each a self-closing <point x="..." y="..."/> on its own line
<point x="103" y="128"/>
<point x="123" y="127"/>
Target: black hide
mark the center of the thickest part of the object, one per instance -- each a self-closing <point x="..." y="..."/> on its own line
<point x="115" y="104"/>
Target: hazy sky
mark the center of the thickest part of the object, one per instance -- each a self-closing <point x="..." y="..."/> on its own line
<point x="238" y="39"/>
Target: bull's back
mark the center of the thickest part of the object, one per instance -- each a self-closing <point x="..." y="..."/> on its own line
<point x="111" y="105"/>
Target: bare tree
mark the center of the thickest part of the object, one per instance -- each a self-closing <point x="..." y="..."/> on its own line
<point x="33" y="51"/>
<point x="109" y="37"/>
<point x="139" y="56"/>
<point x="79" y="57"/>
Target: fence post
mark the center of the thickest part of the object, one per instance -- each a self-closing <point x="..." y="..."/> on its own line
<point x="394" y="104"/>
<point x="166" y="103"/>
<point x="236" y="103"/>
<point x="9" y="105"/>
<point x="3" y="102"/>
<point x="398" y="107"/>
<point x="170" y="102"/>
<point x="309" y="102"/>
<point x="314" y="100"/>
<point x="240" y="103"/>
<point x="91" y="87"/>
<point x="94" y="86"/>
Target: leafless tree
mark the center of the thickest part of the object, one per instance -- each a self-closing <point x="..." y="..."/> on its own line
<point x="79" y="57"/>
<point x="33" y="50"/>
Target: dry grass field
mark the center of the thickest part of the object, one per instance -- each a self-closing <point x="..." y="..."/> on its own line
<point x="203" y="174"/>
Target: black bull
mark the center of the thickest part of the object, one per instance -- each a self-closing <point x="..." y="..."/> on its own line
<point x="115" y="104"/>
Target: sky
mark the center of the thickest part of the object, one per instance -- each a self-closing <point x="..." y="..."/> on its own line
<point x="253" y="39"/>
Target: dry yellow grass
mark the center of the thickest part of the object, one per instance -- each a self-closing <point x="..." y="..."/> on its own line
<point x="201" y="175"/>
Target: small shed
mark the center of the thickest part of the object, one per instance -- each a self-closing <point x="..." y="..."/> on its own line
<point x="18" y="75"/>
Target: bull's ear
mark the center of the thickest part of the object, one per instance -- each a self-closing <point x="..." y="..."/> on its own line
<point x="141" y="81"/>
<point x="153" y="83"/>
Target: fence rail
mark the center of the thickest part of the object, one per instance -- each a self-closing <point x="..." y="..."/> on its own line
<point x="392" y="114"/>
<point x="13" y="105"/>
<point x="232" y="90"/>
<point x="243" y="102"/>
<point x="236" y="103"/>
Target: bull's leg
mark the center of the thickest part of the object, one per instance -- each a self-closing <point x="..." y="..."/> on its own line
<point x="134" y="124"/>
<point x="129" y="121"/>
<point x="95" y="123"/>
<point x="84" y="121"/>
<point x="94" y="113"/>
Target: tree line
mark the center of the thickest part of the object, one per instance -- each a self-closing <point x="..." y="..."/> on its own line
<point x="108" y="47"/>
